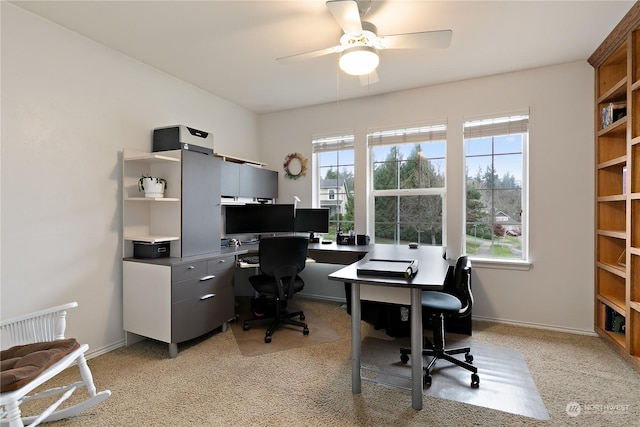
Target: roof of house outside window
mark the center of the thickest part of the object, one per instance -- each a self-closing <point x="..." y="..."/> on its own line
<point x="331" y="183"/>
<point x="504" y="219"/>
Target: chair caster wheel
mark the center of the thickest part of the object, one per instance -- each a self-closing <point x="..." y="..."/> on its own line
<point x="305" y="331"/>
<point x="404" y="358"/>
<point x="245" y="327"/>
<point x="302" y="317"/>
<point x="468" y="357"/>
<point x="267" y="339"/>
<point x="475" y="381"/>
<point x="427" y="380"/>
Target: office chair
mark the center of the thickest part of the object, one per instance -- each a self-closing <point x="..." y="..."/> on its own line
<point x="456" y="299"/>
<point x="281" y="259"/>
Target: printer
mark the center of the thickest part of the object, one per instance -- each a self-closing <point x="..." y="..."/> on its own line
<point x="182" y="137"/>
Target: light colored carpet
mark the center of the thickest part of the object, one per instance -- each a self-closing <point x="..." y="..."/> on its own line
<point x="211" y="383"/>
<point x="505" y="382"/>
<point x="286" y="337"/>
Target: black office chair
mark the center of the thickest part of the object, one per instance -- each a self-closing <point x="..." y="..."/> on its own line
<point x="281" y="259"/>
<point x="456" y="299"/>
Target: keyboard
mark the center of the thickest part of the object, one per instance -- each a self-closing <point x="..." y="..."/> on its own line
<point x="255" y="259"/>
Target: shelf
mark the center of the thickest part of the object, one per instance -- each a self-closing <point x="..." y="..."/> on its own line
<point x="617" y="92"/>
<point x="152" y="239"/>
<point x="151" y="199"/>
<point x="617" y="179"/>
<point x="619" y="126"/>
<point x="615" y="304"/>
<point x="615" y="198"/>
<point x="618" y="338"/>
<point x="618" y="161"/>
<point x="616" y="269"/>
<point x="615" y="234"/>
<point x="130" y="155"/>
<point x="151" y="219"/>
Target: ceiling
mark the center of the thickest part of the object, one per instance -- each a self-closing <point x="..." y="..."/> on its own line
<point x="229" y="48"/>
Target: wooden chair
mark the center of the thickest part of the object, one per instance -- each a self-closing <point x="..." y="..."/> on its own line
<point x="34" y="350"/>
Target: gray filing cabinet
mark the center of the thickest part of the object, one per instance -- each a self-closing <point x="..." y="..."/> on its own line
<point x="177" y="299"/>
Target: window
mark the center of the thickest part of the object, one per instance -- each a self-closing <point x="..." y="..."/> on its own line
<point x="408" y="179"/>
<point x="495" y="172"/>
<point x="333" y="167"/>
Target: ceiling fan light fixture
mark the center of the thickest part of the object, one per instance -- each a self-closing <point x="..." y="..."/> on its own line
<point x="359" y="60"/>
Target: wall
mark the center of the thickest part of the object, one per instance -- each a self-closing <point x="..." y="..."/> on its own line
<point x="557" y="292"/>
<point x="69" y="107"/>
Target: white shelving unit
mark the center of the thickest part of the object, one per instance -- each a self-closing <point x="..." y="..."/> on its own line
<point x="151" y="219"/>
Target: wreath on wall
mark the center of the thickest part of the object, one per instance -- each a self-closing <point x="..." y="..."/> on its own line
<point x="295" y="166"/>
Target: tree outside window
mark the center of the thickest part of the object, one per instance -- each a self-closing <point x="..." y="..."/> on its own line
<point x="408" y="184"/>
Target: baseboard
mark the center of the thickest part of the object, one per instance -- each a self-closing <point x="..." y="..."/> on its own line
<point x="320" y="297"/>
<point x="535" y="326"/>
<point x="104" y="350"/>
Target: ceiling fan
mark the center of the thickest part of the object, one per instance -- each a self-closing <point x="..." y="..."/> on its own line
<point x="360" y="43"/>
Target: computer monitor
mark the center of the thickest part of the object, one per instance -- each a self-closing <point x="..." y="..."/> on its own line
<point x="258" y="219"/>
<point x="312" y="221"/>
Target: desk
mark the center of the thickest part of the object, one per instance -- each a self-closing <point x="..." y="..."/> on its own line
<point x="431" y="275"/>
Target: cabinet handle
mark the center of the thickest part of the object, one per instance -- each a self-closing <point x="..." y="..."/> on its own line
<point x="207" y="296"/>
<point x="207" y="278"/>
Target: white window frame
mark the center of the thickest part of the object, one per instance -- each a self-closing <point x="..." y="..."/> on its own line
<point x="498" y="124"/>
<point x="327" y="143"/>
<point x="422" y="133"/>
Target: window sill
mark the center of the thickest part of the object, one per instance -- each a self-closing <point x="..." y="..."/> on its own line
<point x="503" y="264"/>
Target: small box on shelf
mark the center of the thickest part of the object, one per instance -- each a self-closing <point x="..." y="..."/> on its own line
<point x="146" y="250"/>
<point x="614" y="321"/>
<point x="613" y="112"/>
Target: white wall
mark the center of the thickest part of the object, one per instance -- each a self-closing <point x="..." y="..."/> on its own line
<point x="69" y="107"/>
<point x="557" y="291"/>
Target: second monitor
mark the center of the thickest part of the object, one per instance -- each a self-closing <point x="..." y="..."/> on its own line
<point x="311" y="221"/>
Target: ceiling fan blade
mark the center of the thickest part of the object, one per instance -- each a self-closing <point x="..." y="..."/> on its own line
<point x="426" y="39"/>
<point x="347" y="14"/>
<point x="368" y="79"/>
<point x="309" y="55"/>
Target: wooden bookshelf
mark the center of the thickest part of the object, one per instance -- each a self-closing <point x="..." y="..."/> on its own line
<point x="617" y="187"/>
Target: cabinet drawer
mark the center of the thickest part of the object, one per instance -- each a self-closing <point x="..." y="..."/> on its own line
<point x="189" y="271"/>
<point x="218" y="265"/>
<point x="196" y="288"/>
<point x="195" y="317"/>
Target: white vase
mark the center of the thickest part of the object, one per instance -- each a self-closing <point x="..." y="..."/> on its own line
<point x="153" y="188"/>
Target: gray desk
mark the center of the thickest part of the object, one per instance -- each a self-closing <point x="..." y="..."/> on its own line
<point x="431" y="275"/>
